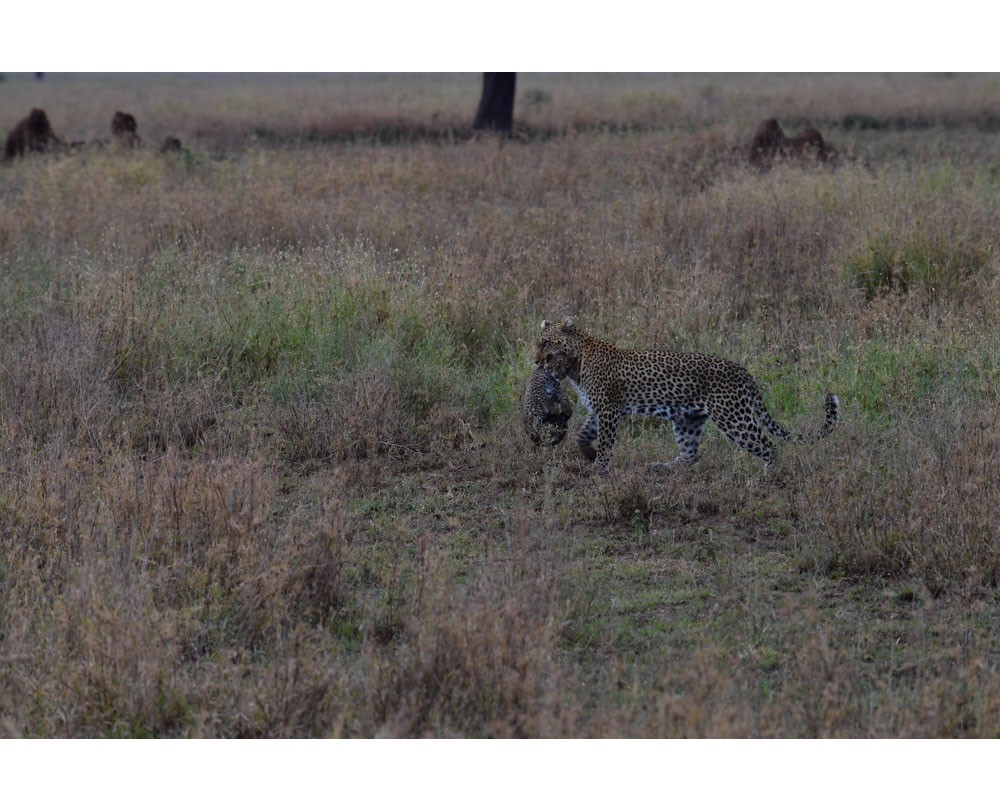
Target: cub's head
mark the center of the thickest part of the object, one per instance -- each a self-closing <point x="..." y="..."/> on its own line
<point x="557" y="349"/>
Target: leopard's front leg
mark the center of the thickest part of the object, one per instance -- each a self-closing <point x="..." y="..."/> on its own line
<point x="606" y="439"/>
<point x="585" y="439"/>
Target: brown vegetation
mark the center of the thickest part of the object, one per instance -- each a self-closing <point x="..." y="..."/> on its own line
<point x="171" y="144"/>
<point x="125" y="130"/>
<point x="770" y="143"/>
<point x="33" y="133"/>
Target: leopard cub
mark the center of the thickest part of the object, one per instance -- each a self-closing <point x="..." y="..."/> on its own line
<point x="545" y="409"/>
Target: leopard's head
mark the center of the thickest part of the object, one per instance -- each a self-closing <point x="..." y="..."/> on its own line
<point x="557" y="349"/>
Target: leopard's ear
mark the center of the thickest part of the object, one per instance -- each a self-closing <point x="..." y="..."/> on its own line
<point x="567" y="323"/>
<point x="544" y="323"/>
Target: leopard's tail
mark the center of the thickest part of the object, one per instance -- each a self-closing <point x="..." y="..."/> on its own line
<point x="832" y="416"/>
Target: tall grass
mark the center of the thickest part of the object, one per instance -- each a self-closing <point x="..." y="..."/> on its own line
<point x="261" y="470"/>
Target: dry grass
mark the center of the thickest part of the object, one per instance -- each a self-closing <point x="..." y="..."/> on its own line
<point x="261" y="467"/>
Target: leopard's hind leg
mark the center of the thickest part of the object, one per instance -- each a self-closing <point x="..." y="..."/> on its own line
<point x="689" y="423"/>
<point x="746" y="433"/>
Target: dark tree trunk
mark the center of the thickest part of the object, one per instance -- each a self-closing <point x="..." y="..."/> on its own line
<point x="496" y="105"/>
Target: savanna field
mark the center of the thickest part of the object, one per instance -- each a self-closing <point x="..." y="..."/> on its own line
<point x="262" y="468"/>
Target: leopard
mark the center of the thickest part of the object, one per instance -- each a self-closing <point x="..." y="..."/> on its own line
<point x="686" y="388"/>
<point x="545" y="409"/>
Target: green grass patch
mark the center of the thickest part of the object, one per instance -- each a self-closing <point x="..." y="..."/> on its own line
<point x="885" y="378"/>
<point x="936" y="265"/>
